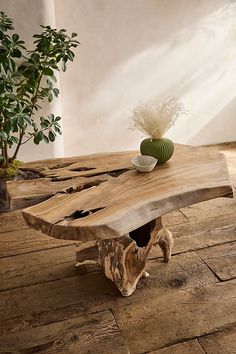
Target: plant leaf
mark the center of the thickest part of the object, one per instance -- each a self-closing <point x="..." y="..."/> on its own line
<point x="16" y="53"/>
<point x="47" y="71"/>
<point x="15" y="37"/>
<point x="51" y="136"/>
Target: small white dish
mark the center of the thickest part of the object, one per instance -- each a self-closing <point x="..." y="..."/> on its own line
<point x="144" y="163"/>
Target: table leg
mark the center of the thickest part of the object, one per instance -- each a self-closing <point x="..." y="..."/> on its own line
<point x="124" y="259"/>
<point x="166" y="243"/>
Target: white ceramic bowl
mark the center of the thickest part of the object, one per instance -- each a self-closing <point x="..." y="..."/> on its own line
<point x="144" y="163"/>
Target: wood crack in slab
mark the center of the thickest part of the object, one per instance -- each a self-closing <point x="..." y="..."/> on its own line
<point x="78" y="214"/>
<point x="66" y="175"/>
<point x="90" y="184"/>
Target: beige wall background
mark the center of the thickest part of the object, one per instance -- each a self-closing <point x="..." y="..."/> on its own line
<point x="132" y="51"/>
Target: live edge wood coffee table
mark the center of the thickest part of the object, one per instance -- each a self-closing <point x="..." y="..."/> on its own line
<point x="115" y="210"/>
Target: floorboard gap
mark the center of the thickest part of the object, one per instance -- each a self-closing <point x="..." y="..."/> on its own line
<point x="209" y="268"/>
<point x="34" y="251"/>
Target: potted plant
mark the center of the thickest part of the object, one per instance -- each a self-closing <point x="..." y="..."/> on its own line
<point x="154" y="118"/>
<point x="27" y="77"/>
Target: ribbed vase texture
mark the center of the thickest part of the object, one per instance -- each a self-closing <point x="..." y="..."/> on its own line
<point x="162" y="149"/>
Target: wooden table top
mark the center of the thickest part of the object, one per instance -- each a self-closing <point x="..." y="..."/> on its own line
<point x="105" y="197"/>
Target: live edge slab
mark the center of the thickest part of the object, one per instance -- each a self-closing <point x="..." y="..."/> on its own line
<point x="116" y="211"/>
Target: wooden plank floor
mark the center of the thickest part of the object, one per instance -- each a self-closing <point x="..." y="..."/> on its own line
<point x="186" y="307"/>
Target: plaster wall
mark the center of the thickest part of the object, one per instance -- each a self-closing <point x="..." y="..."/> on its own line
<point x="132" y="51"/>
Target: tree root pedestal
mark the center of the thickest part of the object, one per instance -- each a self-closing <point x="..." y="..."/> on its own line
<point x="124" y="258"/>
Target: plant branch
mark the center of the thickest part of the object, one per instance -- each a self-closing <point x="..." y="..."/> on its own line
<point x="24" y="142"/>
<point x="4" y="147"/>
<point x="2" y="150"/>
<point x="41" y="130"/>
<point x="5" y="154"/>
<point x="22" y="132"/>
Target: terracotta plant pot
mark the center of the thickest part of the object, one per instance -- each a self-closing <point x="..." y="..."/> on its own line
<point x="162" y="149"/>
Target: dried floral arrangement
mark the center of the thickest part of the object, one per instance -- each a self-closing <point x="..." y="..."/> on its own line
<point x="154" y="118"/>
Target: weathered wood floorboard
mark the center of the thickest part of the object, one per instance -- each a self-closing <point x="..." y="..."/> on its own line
<point x="221" y="259"/>
<point x="18" y="242"/>
<point x="62" y="299"/>
<point x="207" y="225"/>
<point x="197" y="235"/>
<point x="190" y="347"/>
<point x="12" y="220"/>
<point x="53" y="262"/>
<point x="37" y="267"/>
<point x="58" y="263"/>
<point x="175" y="218"/>
<point x="210" y="209"/>
<point x="168" y="319"/>
<point x="223" y="342"/>
<point x="95" y="333"/>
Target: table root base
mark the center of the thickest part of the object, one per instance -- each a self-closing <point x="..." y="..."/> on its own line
<point x="124" y="259"/>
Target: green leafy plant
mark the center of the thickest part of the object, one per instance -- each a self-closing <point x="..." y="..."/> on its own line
<point x="27" y="77"/>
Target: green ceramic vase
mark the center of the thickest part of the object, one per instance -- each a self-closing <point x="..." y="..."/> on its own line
<point x="162" y="149"/>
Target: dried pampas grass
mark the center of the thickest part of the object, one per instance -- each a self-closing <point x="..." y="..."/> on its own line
<point x="154" y="118"/>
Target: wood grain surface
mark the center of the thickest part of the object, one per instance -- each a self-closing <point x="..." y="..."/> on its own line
<point x="221" y="259"/>
<point x="124" y="203"/>
<point x="222" y="342"/>
<point x="89" y="334"/>
<point x="190" y="347"/>
<point x="48" y="301"/>
<point x="65" y="175"/>
<point x="189" y="313"/>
